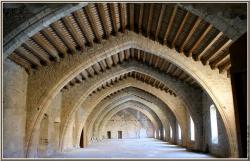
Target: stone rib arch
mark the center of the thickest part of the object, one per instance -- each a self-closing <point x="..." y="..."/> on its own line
<point x="137" y="101"/>
<point x="136" y="104"/>
<point x="133" y="105"/>
<point x="170" y="101"/>
<point x="207" y="78"/>
<point x="126" y="95"/>
<point x="79" y="97"/>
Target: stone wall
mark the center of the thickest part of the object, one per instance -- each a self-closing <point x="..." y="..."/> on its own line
<point x="222" y="148"/>
<point x="130" y="126"/>
<point x="14" y="109"/>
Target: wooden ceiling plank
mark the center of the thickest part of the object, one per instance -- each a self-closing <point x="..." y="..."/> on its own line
<point x="81" y="24"/>
<point x="180" y="29"/>
<point x="140" y="18"/>
<point x="170" y="25"/>
<point x="198" y="56"/>
<point x="224" y="67"/>
<point x="56" y="27"/>
<point x="103" y="19"/>
<point x="131" y="16"/>
<point x="113" y="16"/>
<point x="191" y="32"/>
<point x="197" y="43"/>
<point x="220" y="59"/>
<point x="97" y="68"/>
<point x="211" y="56"/>
<point x="92" y="21"/>
<point x="169" y="68"/>
<point x="49" y="35"/>
<point x="85" y="74"/>
<point x="163" y="7"/>
<point x="46" y="46"/>
<point x="30" y="57"/>
<point x="36" y="52"/>
<point x="150" y="19"/>
<point x="122" y="13"/>
<point x="19" y="60"/>
<point x="68" y="23"/>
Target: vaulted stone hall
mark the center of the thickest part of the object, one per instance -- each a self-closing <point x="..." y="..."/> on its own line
<point x="124" y="80"/>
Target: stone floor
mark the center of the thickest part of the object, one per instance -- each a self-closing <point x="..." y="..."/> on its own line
<point x="130" y="148"/>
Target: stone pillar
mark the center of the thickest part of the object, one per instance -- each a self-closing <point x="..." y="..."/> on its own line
<point x="14" y="109"/>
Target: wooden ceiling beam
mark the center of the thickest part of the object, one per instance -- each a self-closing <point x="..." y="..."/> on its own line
<point x="121" y="56"/>
<point x="26" y="55"/>
<point x="170" y="25"/>
<point x="49" y="35"/>
<point x="214" y="54"/>
<point x="169" y="68"/>
<point x="20" y="61"/>
<point x="76" y="36"/>
<point x="81" y="24"/>
<point x="157" y="61"/>
<point x="191" y="32"/>
<point x="46" y="46"/>
<point x="97" y="68"/>
<point x="109" y="62"/>
<point x="57" y="28"/>
<point x="197" y="43"/>
<point x="224" y="67"/>
<point x="78" y="79"/>
<point x="150" y="19"/>
<point x="35" y="51"/>
<point x="115" y="58"/>
<point x="163" y="65"/>
<point x="92" y="22"/>
<point x="180" y="29"/>
<point x="158" y="27"/>
<point x="85" y="74"/>
<point x="113" y="16"/>
<point x="220" y="59"/>
<point x="198" y="56"/>
<point x="140" y="18"/>
<point x="122" y="13"/>
<point x="131" y="16"/>
<point x="103" y="19"/>
<point x="91" y="71"/>
<point x="103" y="65"/>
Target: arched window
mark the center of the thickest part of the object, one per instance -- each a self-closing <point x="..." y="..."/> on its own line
<point x="164" y="133"/>
<point x="214" y="128"/>
<point x="192" y="133"/>
<point x="171" y="132"/>
<point x="179" y="132"/>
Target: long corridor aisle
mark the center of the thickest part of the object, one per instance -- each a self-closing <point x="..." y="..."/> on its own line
<point x="131" y="148"/>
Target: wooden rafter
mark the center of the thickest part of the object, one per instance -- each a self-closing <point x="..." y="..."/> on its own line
<point x="150" y="19"/>
<point x="163" y="7"/>
<point x="180" y="29"/>
<point x="198" y="56"/>
<point x="68" y="23"/>
<point x="197" y="43"/>
<point x="122" y="13"/>
<point x="46" y="46"/>
<point x="92" y="22"/>
<point x="140" y="18"/>
<point x="113" y="16"/>
<point x="103" y="19"/>
<point x="44" y="58"/>
<point x="81" y="24"/>
<point x="194" y="27"/>
<point x="220" y="59"/>
<point x="56" y="27"/>
<point x="26" y="55"/>
<point x="170" y="25"/>
<point x="131" y="16"/>
<point x="212" y="55"/>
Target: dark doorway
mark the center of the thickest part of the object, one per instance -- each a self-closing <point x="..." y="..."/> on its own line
<point x="119" y="134"/>
<point x="82" y="140"/>
<point x="109" y="134"/>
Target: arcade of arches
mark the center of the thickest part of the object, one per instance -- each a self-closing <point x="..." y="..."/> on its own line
<point x="84" y="74"/>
